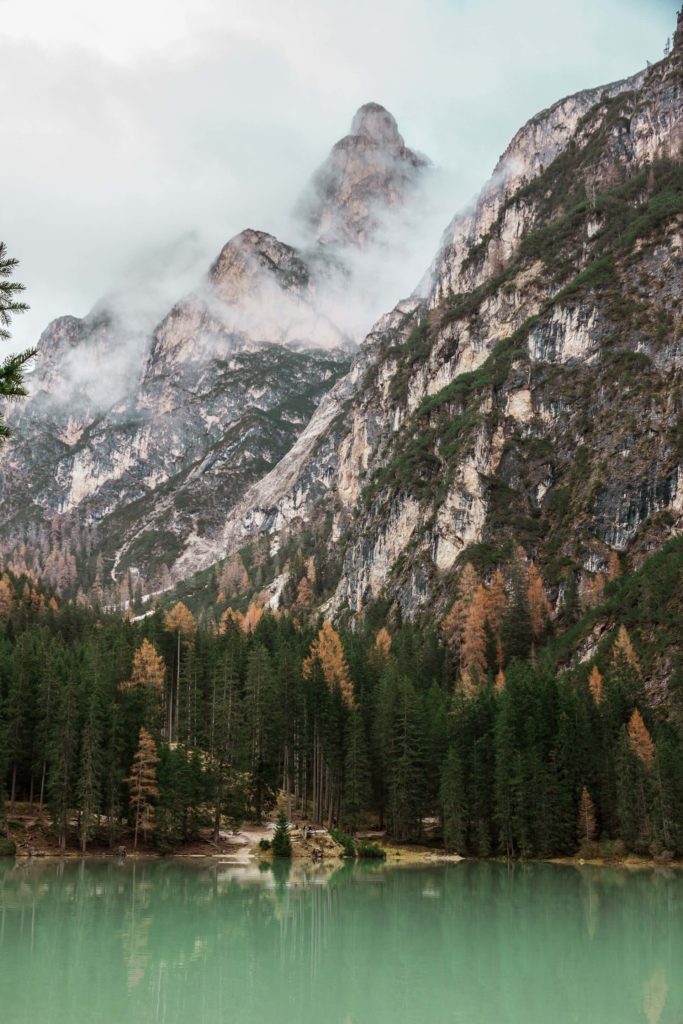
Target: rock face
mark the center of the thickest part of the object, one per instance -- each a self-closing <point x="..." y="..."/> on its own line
<point x="368" y="170"/>
<point x="530" y="392"/>
<point x="136" y="441"/>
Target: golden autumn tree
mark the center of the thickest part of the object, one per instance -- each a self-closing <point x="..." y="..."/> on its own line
<point x="148" y="668"/>
<point x="539" y="605"/>
<point x="5" y="599"/>
<point x="231" y="619"/>
<point x="596" y="684"/>
<point x="623" y="650"/>
<point x="142" y="785"/>
<point x="586" y="826"/>
<point x="181" y="621"/>
<point x="496" y="603"/>
<point x="453" y="626"/>
<point x="327" y="649"/>
<point x="382" y="644"/>
<point x="252" y="617"/>
<point x="304" y="595"/>
<point x="500" y="681"/>
<point x="639" y="739"/>
<point x="234" y="577"/>
<point x="473" y="649"/>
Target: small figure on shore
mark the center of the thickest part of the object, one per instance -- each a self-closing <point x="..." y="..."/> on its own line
<point x="121" y="852"/>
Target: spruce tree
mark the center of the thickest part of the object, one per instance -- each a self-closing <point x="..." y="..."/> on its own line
<point x="282" y="843"/>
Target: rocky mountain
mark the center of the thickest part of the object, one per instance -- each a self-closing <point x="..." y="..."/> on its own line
<point x="528" y="394"/>
<point x="103" y="480"/>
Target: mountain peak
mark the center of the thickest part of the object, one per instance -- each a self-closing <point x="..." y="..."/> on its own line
<point x="367" y="172"/>
<point x="374" y="121"/>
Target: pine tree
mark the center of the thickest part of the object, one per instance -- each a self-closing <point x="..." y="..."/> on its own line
<point x="12" y="369"/>
<point x="453" y="801"/>
<point x="89" y="790"/>
<point x="142" y="784"/>
<point x="356" y="793"/>
<point x="281" y="844"/>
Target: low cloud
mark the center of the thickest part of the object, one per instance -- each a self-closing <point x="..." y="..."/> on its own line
<point x="207" y="117"/>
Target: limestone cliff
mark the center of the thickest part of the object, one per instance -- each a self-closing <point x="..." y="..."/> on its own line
<point x="529" y="392"/>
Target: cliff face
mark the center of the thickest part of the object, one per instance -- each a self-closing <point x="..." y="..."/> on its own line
<point x="530" y="391"/>
<point x="134" y="443"/>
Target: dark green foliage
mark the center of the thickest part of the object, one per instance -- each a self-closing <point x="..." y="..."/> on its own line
<point x="503" y="769"/>
<point x="281" y="844"/>
<point x="12" y="368"/>
<point x="365" y="850"/>
<point x="345" y="841"/>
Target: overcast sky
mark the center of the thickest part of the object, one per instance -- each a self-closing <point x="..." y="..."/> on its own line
<point x="129" y="126"/>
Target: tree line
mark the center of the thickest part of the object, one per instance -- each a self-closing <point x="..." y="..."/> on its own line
<point x="164" y="728"/>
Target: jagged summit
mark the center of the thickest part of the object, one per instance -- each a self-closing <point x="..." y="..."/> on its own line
<point x="368" y="172"/>
<point x="374" y="121"/>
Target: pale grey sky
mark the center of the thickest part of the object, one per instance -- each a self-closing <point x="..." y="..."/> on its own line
<point x="130" y="125"/>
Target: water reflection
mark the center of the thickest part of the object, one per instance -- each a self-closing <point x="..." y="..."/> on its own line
<point x="166" y="942"/>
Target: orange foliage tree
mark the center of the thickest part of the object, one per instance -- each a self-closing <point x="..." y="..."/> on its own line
<point x="596" y="684"/>
<point x="639" y="739"/>
<point x="539" y="605"/>
<point x="142" y="784"/>
<point x="327" y="649"/>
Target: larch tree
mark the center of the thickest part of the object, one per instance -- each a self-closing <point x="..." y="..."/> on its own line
<point x="328" y="650"/>
<point x="596" y="685"/>
<point x="382" y="645"/>
<point x="145" y="686"/>
<point x="539" y="605"/>
<point x="496" y="603"/>
<point x="623" y="650"/>
<point x="453" y="626"/>
<point x="639" y="739"/>
<point x="142" y="785"/>
<point x="6" y="599"/>
<point x="148" y="669"/>
<point x="252" y="617"/>
<point x="473" y="648"/>
<point x="586" y="827"/>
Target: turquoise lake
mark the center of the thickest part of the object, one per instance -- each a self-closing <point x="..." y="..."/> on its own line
<point x="200" y="942"/>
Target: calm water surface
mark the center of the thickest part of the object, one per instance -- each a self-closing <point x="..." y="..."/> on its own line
<point x="473" y="943"/>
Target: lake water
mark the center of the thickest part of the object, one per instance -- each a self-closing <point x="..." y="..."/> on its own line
<point x="175" y="942"/>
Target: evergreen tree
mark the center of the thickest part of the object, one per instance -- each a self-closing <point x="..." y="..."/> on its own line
<point x="282" y="843"/>
<point x="356" y="774"/>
